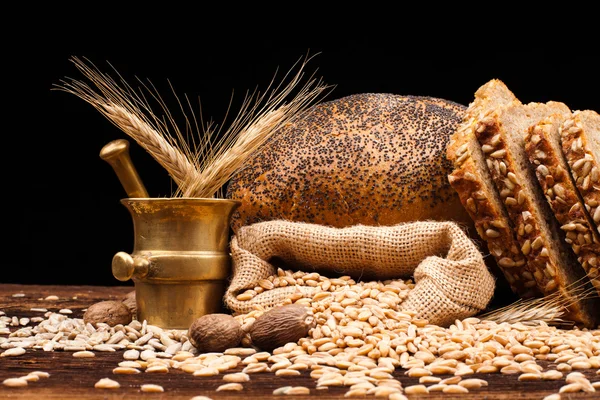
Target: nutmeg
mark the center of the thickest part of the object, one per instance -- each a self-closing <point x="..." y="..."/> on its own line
<point x="130" y="302"/>
<point x="215" y="333"/>
<point x="281" y="325"/>
<point x="110" y="312"/>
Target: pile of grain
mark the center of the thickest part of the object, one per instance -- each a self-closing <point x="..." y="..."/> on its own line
<point x="359" y="341"/>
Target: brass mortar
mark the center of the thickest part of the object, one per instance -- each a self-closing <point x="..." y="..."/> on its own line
<point x="180" y="262"/>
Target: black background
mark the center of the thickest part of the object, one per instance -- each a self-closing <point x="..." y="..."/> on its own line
<point x="63" y="218"/>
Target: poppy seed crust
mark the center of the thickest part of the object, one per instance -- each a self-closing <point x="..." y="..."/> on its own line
<point x="371" y="158"/>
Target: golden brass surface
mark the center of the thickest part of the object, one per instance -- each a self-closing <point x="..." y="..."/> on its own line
<point x="116" y="153"/>
<point x="124" y="266"/>
<point x="181" y="261"/>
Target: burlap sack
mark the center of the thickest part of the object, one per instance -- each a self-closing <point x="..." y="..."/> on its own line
<point x="451" y="280"/>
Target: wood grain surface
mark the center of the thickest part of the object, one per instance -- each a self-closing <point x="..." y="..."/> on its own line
<point x="74" y="378"/>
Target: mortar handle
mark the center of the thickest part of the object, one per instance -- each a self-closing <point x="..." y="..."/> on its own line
<point x="116" y="153"/>
<point x="125" y="266"/>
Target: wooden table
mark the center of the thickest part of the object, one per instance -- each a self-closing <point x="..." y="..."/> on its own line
<point x="74" y="378"/>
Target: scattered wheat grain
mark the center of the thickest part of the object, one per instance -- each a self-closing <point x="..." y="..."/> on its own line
<point x="14" y="352"/>
<point x="553" y="396"/>
<point x="571" y="388"/>
<point x="230" y="387"/>
<point x="208" y="371"/>
<point x="151" y="388"/>
<point x="552" y="374"/>
<point x="107" y="383"/>
<point x="297" y="390"/>
<point x="84" y="354"/>
<point x="430" y="379"/>
<point x="15" y="382"/>
<point x="416" y="389"/>
<point x="236" y="377"/>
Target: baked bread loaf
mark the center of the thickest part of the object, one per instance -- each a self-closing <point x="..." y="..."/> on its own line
<point x="580" y="138"/>
<point x="371" y="159"/>
<point x="544" y="149"/>
<point x="473" y="183"/>
<point x="549" y="258"/>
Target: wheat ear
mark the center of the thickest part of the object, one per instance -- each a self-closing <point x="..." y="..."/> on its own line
<point x="550" y="309"/>
<point x="202" y="171"/>
<point x="260" y="117"/>
<point x="131" y="114"/>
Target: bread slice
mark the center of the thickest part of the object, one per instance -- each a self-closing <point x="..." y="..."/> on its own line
<point x="550" y="258"/>
<point x="544" y="149"/>
<point x="471" y="180"/>
<point x="580" y="136"/>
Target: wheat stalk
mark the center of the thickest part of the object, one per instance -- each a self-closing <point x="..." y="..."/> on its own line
<point x="550" y="309"/>
<point x="198" y="170"/>
<point x="249" y="133"/>
<point x="528" y="311"/>
<point x="129" y="112"/>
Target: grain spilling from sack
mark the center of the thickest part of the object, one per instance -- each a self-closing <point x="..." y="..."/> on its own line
<point x="452" y="280"/>
<point x="360" y="342"/>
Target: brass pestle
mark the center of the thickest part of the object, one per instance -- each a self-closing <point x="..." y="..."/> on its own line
<point x="116" y="153"/>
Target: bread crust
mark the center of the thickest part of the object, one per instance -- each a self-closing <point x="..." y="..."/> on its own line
<point x="491" y="220"/>
<point x="553" y="174"/>
<point x="372" y="159"/>
<point x="585" y="167"/>
<point x="510" y="180"/>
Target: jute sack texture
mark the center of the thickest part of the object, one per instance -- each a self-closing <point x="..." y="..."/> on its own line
<point x="451" y="279"/>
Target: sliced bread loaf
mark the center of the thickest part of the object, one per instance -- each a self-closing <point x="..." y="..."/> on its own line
<point x="471" y="180"/>
<point x="544" y="149"/>
<point x="551" y="260"/>
<point x="580" y="136"/>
